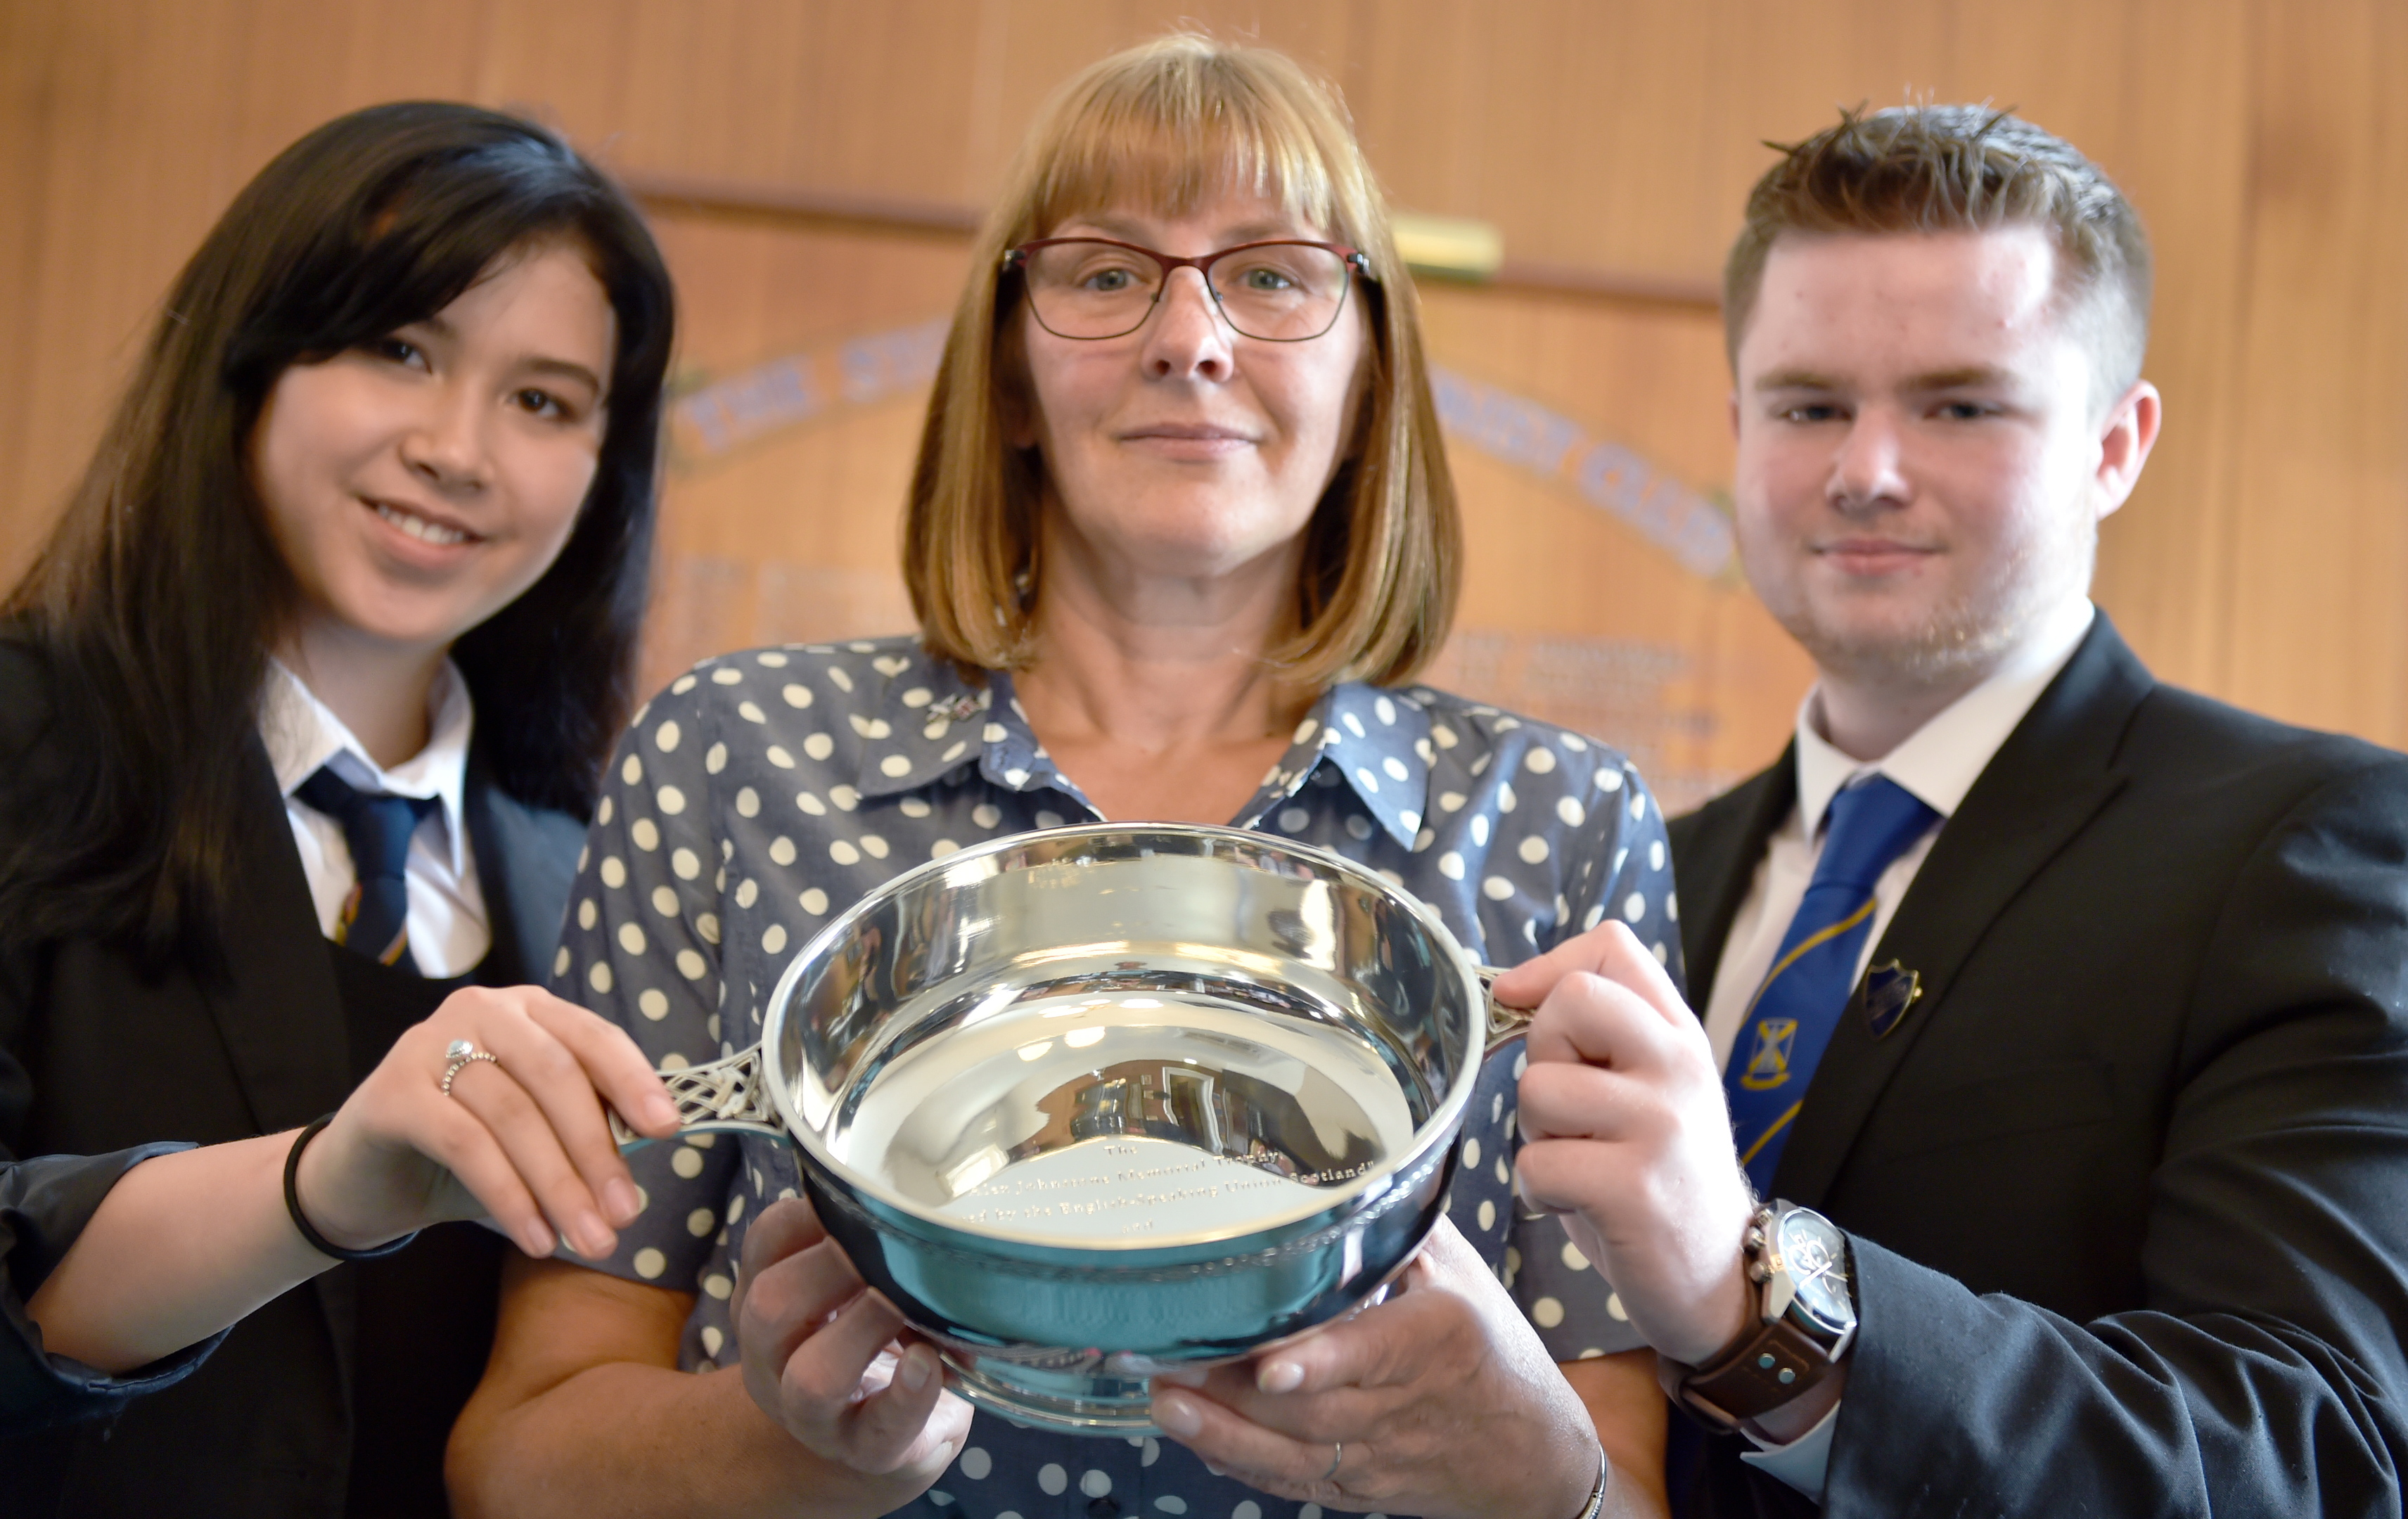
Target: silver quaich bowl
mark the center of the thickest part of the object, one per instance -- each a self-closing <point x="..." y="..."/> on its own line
<point x="1102" y="1101"/>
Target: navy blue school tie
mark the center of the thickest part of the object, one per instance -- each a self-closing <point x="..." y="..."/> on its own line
<point x="1789" y="1020"/>
<point x="375" y="921"/>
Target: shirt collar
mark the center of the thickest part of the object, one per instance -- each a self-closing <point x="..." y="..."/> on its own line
<point x="1940" y="760"/>
<point x="921" y="721"/>
<point x="303" y="735"/>
<point x="1378" y="741"/>
<point x="925" y="722"/>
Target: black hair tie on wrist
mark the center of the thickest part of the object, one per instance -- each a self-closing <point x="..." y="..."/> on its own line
<point x="318" y="1242"/>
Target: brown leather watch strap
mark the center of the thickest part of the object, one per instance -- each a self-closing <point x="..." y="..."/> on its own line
<point x="1748" y="1379"/>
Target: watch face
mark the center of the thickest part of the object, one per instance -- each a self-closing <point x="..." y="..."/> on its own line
<point x="1817" y="1256"/>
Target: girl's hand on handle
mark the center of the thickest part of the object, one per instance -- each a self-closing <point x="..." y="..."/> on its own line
<point x="521" y="1138"/>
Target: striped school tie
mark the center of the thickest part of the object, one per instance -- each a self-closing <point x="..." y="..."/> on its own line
<point x="1789" y="1020"/>
<point x="375" y="920"/>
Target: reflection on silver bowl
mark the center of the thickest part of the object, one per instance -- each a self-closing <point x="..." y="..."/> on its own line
<point x="1097" y="1101"/>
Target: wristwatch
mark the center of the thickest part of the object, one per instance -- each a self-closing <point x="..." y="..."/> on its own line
<point x="1799" y="1260"/>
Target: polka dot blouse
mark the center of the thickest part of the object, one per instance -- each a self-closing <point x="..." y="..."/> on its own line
<point x="764" y="791"/>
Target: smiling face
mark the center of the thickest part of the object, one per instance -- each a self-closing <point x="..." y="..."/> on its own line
<point x="1922" y="465"/>
<point x="417" y="484"/>
<point x="1184" y="450"/>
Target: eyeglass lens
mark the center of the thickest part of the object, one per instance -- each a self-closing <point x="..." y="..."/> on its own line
<point x="1280" y="291"/>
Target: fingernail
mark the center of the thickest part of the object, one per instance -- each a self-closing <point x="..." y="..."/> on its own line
<point x="1280" y="1377"/>
<point x="539" y="1241"/>
<point x="594" y="1237"/>
<point x="659" y="1109"/>
<point x="1178" y="1417"/>
<point x="1185" y="1376"/>
<point x="915" y="1368"/>
<point x="625" y="1200"/>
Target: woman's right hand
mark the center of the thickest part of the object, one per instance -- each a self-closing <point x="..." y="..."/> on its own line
<point x="832" y="1362"/>
<point x="522" y="1138"/>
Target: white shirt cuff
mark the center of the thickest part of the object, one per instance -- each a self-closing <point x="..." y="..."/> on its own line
<point x="1802" y="1462"/>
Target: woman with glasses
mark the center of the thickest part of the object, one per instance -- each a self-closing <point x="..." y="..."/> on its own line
<point x="1181" y="532"/>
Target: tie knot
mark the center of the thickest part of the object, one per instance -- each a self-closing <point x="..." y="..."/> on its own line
<point x="378" y="826"/>
<point x="1872" y="824"/>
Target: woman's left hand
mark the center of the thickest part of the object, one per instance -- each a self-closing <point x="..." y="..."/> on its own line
<point x="522" y="1138"/>
<point x="1440" y="1401"/>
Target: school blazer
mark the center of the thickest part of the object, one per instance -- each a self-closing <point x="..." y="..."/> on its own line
<point x="2127" y="1187"/>
<point x="96" y="1056"/>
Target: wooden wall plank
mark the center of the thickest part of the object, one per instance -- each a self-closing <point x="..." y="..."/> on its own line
<point x="31" y="59"/>
<point x="1599" y="136"/>
<point x="120" y="210"/>
<point x="1781" y="72"/>
<point x="2182" y="154"/>
<point x="570" y="65"/>
<point x="1417" y="84"/>
<point x="2322" y="536"/>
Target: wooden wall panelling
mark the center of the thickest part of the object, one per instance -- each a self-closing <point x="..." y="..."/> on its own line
<point x="2182" y="154"/>
<point x="2157" y="95"/>
<point x="570" y="65"/>
<point x="1034" y="47"/>
<point x="121" y="208"/>
<point x="1321" y="34"/>
<point x="2322" y="531"/>
<point x="155" y="114"/>
<point x="1597" y="134"/>
<point x="298" y="63"/>
<point x="2262" y="559"/>
<point x="1780" y="72"/>
<point x="29" y="98"/>
<point x="1417" y="86"/>
<point x="849" y="97"/>
<point x="2031" y="63"/>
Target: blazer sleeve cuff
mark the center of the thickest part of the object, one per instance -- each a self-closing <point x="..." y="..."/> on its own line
<point x="44" y="1205"/>
<point x="2010" y="1408"/>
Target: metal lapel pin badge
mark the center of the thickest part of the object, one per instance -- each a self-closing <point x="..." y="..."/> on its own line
<point x="1890" y="990"/>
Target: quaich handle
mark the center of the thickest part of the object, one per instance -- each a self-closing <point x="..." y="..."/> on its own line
<point x="725" y="1096"/>
<point x="1505" y="1025"/>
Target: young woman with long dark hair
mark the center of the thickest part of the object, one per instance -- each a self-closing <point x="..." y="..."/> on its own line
<point x="303" y="708"/>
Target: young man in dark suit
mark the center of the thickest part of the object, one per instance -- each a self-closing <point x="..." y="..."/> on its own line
<point x="2059" y="1018"/>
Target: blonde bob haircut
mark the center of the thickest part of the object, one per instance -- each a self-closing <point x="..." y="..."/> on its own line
<point x="1168" y="125"/>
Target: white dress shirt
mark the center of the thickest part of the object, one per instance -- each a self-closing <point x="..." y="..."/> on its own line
<point x="1939" y="764"/>
<point x="448" y="929"/>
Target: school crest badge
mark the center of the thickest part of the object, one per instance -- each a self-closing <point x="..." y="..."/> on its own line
<point x="1890" y="990"/>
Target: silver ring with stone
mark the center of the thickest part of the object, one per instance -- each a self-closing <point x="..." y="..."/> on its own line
<point x="461" y="1054"/>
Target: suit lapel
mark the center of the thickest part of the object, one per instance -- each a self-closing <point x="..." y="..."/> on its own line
<point x="2046" y="783"/>
<point x="526" y="863"/>
<point x="1722" y="847"/>
<point x="278" y="1012"/>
